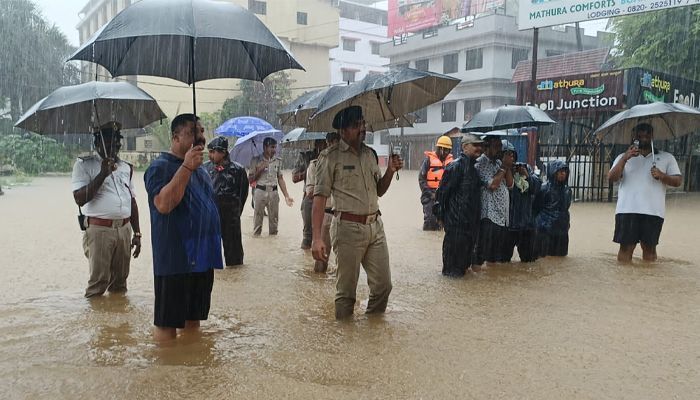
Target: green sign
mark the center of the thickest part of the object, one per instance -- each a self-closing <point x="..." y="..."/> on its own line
<point x="588" y="91"/>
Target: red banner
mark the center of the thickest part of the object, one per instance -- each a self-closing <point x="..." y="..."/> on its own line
<point x="413" y="15"/>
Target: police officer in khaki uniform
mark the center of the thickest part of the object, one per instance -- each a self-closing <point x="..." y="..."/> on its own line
<point x="349" y="172"/>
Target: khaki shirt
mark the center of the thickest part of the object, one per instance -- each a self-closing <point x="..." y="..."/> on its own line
<point x="311" y="182"/>
<point x="271" y="173"/>
<point x="351" y="179"/>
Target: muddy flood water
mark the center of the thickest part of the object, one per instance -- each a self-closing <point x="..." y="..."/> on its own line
<point x="582" y="327"/>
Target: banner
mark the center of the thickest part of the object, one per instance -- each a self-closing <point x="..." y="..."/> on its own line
<point x="646" y="86"/>
<point x="576" y="95"/>
<point x="541" y="13"/>
<point x="406" y="16"/>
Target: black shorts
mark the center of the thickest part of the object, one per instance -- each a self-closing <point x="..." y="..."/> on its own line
<point x="182" y="297"/>
<point x="636" y="228"/>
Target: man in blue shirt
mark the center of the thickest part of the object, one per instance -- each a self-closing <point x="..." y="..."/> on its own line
<point x="185" y="231"/>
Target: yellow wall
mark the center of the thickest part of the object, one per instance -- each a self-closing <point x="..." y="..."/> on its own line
<point x="308" y="43"/>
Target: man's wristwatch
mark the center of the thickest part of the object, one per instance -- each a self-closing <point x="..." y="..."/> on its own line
<point x="137" y="234"/>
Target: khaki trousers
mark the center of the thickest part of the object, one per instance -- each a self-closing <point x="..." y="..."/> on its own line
<point x="271" y="201"/>
<point x="108" y="250"/>
<point x="321" y="266"/>
<point x="356" y="244"/>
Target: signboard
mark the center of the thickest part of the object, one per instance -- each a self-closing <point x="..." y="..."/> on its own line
<point x="646" y="86"/>
<point x="407" y="16"/>
<point x="540" y="13"/>
<point x="576" y="95"/>
<point x="413" y="15"/>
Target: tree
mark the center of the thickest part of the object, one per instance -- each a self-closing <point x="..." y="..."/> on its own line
<point x="33" y="54"/>
<point x="666" y="40"/>
<point x="261" y="100"/>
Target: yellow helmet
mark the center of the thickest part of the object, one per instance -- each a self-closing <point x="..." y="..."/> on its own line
<point x="444" y="141"/>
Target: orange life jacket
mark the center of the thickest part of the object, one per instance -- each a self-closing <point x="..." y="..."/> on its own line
<point x="436" y="168"/>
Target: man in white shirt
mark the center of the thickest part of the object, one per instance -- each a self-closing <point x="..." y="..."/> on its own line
<point x="641" y="201"/>
<point x="103" y="187"/>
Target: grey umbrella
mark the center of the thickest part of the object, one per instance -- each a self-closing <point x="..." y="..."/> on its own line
<point x="79" y="108"/>
<point x="507" y="117"/>
<point x="384" y="97"/>
<point x="189" y="41"/>
<point x="298" y="111"/>
<point x="300" y="135"/>
<point x="669" y="120"/>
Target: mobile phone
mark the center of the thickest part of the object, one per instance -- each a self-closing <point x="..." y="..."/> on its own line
<point x="635" y="143"/>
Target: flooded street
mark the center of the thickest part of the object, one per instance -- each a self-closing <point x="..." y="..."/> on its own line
<point x="582" y="327"/>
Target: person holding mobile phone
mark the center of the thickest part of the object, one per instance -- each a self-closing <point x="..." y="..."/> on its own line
<point x="104" y="190"/>
<point x="644" y="177"/>
<point x="185" y="231"/>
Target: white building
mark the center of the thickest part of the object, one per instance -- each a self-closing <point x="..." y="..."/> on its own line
<point x="363" y="27"/>
<point x="484" y="56"/>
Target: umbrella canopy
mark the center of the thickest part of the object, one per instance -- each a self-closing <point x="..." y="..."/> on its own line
<point x="242" y="126"/>
<point x="187" y="40"/>
<point x="79" y="108"/>
<point x="669" y="120"/>
<point x="302" y="135"/>
<point x="251" y="146"/>
<point x="403" y="121"/>
<point x="384" y="97"/>
<point x="299" y="110"/>
<point x="506" y="117"/>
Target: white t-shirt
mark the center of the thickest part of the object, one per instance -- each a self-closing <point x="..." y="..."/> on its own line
<point x="113" y="198"/>
<point x="639" y="192"/>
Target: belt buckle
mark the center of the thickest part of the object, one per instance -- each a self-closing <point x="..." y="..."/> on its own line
<point x="268" y="188"/>
<point x="370" y="219"/>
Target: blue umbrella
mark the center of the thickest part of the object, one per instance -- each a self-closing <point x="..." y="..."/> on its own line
<point x="251" y="146"/>
<point x="242" y="126"/>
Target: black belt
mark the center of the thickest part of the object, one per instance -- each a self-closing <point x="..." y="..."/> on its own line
<point x="263" y="187"/>
<point x="329" y="211"/>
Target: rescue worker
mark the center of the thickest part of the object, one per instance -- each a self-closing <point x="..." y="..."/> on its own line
<point x="231" y="190"/>
<point x="349" y="172"/>
<point x="429" y="179"/>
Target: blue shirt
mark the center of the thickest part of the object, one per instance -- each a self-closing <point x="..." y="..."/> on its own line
<point x="188" y="239"/>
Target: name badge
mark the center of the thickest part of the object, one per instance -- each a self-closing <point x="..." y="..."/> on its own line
<point x="348" y="167"/>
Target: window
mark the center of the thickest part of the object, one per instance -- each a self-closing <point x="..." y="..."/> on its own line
<point x="475" y="59"/>
<point x="302" y="18"/>
<point x="449" y="63"/>
<point x="348" y="44"/>
<point x="257" y="7"/>
<point x="349" y="76"/>
<point x="552" y="53"/>
<point x="449" y="111"/>
<point x="402" y="66"/>
<point x="422" y="115"/>
<point x="471" y="107"/>
<point x="375" y="47"/>
<point x="148" y="144"/>
<point x="422" y="65"/>
<point x="518" y="55"/>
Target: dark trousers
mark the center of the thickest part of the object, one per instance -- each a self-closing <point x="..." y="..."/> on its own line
<point x="457" y="252"/>
<point x="524" y="240"/>
<point x="549" y="244"/>
<point x="230" y="217"/>
<point x="306" y="206"/>
<point x="489" y="247"/>
<point x="430" y="222"/>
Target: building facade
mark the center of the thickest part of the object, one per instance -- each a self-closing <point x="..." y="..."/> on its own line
<point x="363" y="28"/>
<point x="309" y="29"/>
<point x="483" y="54"/>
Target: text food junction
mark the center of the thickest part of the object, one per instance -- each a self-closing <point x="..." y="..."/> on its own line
<point x="586" y="95"/>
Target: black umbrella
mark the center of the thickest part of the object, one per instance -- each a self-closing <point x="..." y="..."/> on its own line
<point x="507" y="117"/>
<point x="669" y="121"/>
<point x="384" y="97"/>
<point x="187" y="40"/>
<point x="79" y="108"/>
